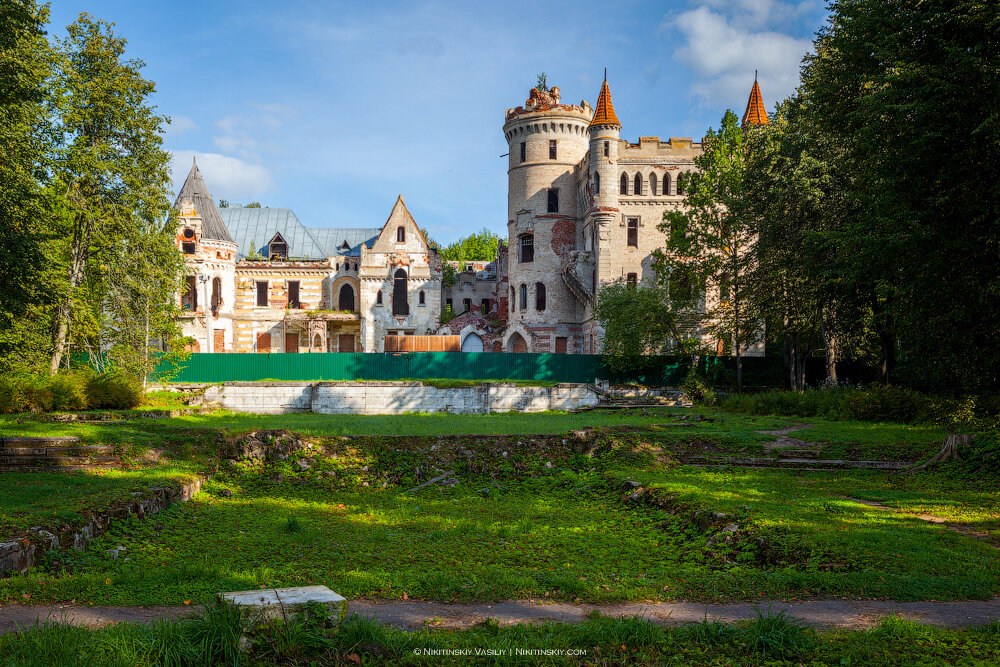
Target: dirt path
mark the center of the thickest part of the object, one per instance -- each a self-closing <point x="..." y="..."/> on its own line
<point x="782" y="440"/>
<point x="415" y="614"/>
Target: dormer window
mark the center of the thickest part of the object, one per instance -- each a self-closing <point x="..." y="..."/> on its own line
<point x="277" y="249"/>
<point x="345" y="245"/>
<point x="188" y="244"/>
<point x="400" y="234"/>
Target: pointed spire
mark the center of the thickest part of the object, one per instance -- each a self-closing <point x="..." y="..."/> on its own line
<point x="756" y="113"/>
<point x="195" y="191"/>
<point x="604" y="112"/>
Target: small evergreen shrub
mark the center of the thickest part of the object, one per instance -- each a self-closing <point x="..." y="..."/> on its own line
<point x="114" y="391"/>
<point x="24" y="392"/>
<point x="69" y="391"/>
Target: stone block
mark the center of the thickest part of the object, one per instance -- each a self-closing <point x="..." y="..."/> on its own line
<point x="282" y="604"/>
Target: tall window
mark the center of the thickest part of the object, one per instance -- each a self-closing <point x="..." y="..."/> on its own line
<point x="293" y="294"/>
<point x="607" y="148"/>
<point x="653" y="182"/>
<point x="421" y="302"/>
<point x="597" y="183"/>
<point x="553" y="200"/>
<point x="552" y="149"/>
<point x="400" y="304"/>
<point x="666" y="184"/>
<point x="527" y="248"/>
<point x="484" y="307"/>
<point x="378" y="298"/>
<point x="681" y="183"/>
<point x="216" y="295"/>
<point x="524" y="152"/>
<point x="638" y="184"/>
<point x="189" y="300"/>
<point x="631" y="280"/>
<point x="623" y="185"/>
<point x="633" y="232"/>
<point x="400" y="234"/>
<point x="262" y="293"/>
<point x="346" y="300"/>
<point x="466" y="305"/>
<point x="524" y="297"/>
<point x="539" y="296"/>
<point x="188" y="248"/>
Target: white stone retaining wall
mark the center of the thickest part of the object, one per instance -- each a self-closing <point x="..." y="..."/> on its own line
<point x="389" y="398"/>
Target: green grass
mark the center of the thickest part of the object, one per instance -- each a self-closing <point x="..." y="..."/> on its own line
<point x="214" y="639"/>
<point x="516" y="528"/>
<point x="868" y="441"/>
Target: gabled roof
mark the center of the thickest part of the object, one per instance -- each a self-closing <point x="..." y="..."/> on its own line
<point x="255" y="227"/>
<point x="195" y="191"/>
<point x="604" y="112"/>
<point x="756" y="113"/>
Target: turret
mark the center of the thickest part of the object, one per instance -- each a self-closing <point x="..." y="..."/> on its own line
<point x="604" y="129"/>
<point x="548" y="140"/>
<point x="756" y="113"/>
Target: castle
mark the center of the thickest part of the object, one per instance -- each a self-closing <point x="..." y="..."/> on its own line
<point x="583" y="208"/>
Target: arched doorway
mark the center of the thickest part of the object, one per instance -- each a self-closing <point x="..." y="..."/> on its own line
<point x="516" y="344"/>
<point x="400" y="303"/>
<point x="346" y="301"/>
<point x="472" y="343"/>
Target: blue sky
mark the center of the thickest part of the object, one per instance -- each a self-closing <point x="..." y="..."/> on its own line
<point x="332" y="109"/>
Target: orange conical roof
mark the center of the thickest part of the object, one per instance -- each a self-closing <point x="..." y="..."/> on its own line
<point x="604" y="113"/>
<point x="755" y="114"/>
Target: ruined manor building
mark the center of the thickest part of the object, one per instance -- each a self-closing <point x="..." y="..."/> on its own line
<point x="583" y="208"/>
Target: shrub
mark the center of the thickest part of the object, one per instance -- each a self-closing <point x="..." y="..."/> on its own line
<point x="114" y="391"/>
<point x="697" y="389"/>
<point x="23" y="392"/>
<point x="69" y="391"/>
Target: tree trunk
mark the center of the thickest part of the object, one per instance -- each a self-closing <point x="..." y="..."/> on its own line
<point x="77" y="269"/>
<point x="949" y="451"/>
<point x="830" y="343"/>
<point x="738" y="347"/>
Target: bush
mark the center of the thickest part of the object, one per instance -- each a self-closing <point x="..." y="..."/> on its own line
<point x="697" y="389"/>
<point x="114" y="391"/>
<point x="23" y="392"/>
<point x="879" y="403"/>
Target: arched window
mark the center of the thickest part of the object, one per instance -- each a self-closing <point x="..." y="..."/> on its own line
<point x="597" y="183"/>
<point x="623" y="185"/>
<point x="638" y="184"/>
<point x="400" y="234"/>
<point x="652" y="184"/>
<point x="318" y="342"/>
<point x="400" y="304"/>
<point x="681" y="183"/>
<point x="421" y="297"/>
<point x="346" y="298"/>
<point x="666" y="184"/>
<point x="539" y="296"/>
<point x="216" y="294"/>
<point x="517" y="344"/>
<point x="524" y="297"/>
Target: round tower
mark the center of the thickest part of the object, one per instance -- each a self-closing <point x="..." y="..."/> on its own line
<point x="604" y="130"/>
<point x="547" y="141"/>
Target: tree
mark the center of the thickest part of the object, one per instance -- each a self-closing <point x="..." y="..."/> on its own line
<point x="639" y="320"/>
<point x="113" y="179"/>
<point x="25" y="148"/>
<point x="480" y="246"/>
<point x="542" y="85"/>
<point x="223" y="203"/>
<point x="710" y="240"/>
<point x="912" y="92"/>
<point x="253" y="204"/>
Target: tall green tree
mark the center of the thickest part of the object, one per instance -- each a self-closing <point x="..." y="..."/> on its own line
<point x="113" y="176"/>
<point x="25" y="149"/>
<point x="480" y="246"/>
<point x="912" y="90"/>
<point x="710" y="240"/>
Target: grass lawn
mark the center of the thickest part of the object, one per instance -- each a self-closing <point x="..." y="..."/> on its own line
<point x="214" y="639"/>
<point x="516" y="528"/>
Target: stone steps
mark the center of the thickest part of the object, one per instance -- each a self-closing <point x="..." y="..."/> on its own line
<point x="48" y="453"/>
<point x="797" y="463"/>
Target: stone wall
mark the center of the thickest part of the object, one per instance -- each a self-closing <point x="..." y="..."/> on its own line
<point x="380" y="398"/>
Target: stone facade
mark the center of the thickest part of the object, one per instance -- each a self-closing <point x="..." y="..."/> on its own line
<point x="583" y="211"/>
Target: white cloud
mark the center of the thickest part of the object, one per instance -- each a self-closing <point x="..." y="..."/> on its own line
<point x="246" y="134"/>
<point x="226" y="177"/>
<point x="724" y="48"/>
<point x="180" y="125"/>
